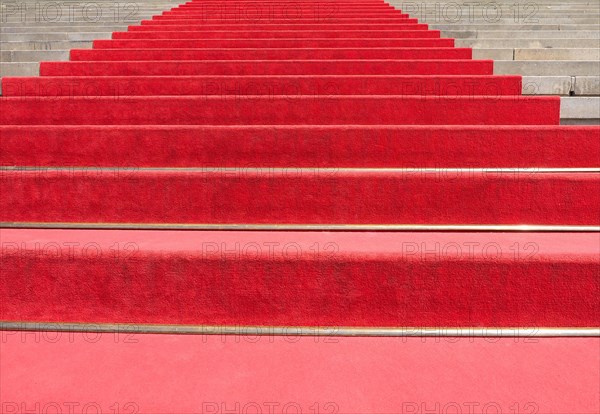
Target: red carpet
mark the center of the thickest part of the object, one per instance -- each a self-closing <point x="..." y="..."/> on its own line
<point x="290" y="86"/>
<point x="281" y="110"/>
<point x="266" y="54"/>
<point x="299" y="196"/>
<point x="153" y="26"/>
<point x="285" y="375"/>
<point x="230" y="113"/>
<point x="412" y="147"/>
<point x="301" y="278"/>
<point x="265" y="67"/>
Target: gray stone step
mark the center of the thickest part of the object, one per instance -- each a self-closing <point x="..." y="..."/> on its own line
<point x="45" y="45"/>
<point x="557" y="54"/>
<point x="19" y="69"/>
<point x="33" y="3"/>
<point x="554" y="20"/>
<point x="547" y="68"/>
<point x="105" y="18"/>
<point x="33" y="56"/>
<point x="91" y="10"/>
<point x="580" y="110"/>
<point x="523" y="34"/>
<point x="558" y="18"/>
<point x="526" y="43"/>
<point x="578" y="27"/>
<point x="73" y="19"/>
<point x="72" y="36"/>
<point x="587" y="85"/>
<point x="453" y="14"/>
<point x="561" y="85"/>
<point x="537" y="54"/>
<point x="88" y="24"/>
<point x="510" y="27"/>
<point x="59" y="29"/>
<point x="549" y="3"/>
<point x="548" y="85"/>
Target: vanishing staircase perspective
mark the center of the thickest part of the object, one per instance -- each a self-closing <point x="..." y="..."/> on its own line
<point x="310" y="165"/>
<point x="354" y="139"/>
<point x="553" y="44"/>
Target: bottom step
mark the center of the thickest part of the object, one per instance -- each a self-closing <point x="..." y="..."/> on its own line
<point x="341" y="279"/>
<point x="126" y="373"/>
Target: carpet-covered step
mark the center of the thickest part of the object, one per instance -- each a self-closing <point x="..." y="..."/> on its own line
<point x="282" y="4"/>
<point x="275" y="43"/>
<point x="300" y="6"/>
<point x="268" y="67"/>
<point x="291" y="13"/>
<point x="279" y="5"/>
<point x="290" y="8"/>
<point x="274" y="2"/>
<point x="185" y="31"/>
<point x="274" y="27"/>
<point x="270" y="54"/>
<point x="278" y="34"/>
<point x="332" y="16"/>
<point x="281" y="110"/>
<point x="294" y="85"/>
<point x="168" y="20"/>
<point x="299" y="11"/>
<point x="247" y="195"/>
<point x="173" y="373"/>
<point x="356" y="279"/>
<point x="301" y="146"/>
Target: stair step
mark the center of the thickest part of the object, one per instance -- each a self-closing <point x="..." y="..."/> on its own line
<point x="151" y="26"/>
<point x="44" y="45"/>
<point x="291" y="34"/>
<point x="547" y="67"/>
<point x="213" y="195"/>
<point x="268" y="67"/>
<point x="261" y="85"/>
<point x="280" y="110"/>
<point x="335" y="279"/>
<point x="524" y="34"/>
<point x="211" y="373"/>
<point x="133" y="54"/>
<point x="550" y="44"/>
<point x="302" y="146"/>
<point x="169" y="20"/>
<point x="272" y="43"/>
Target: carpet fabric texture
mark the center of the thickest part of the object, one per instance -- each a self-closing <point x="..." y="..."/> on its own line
<point x="346" y="113"/>
<point x="301" y="278"/>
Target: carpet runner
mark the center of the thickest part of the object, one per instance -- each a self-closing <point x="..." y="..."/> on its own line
<point x="296" y="120"/>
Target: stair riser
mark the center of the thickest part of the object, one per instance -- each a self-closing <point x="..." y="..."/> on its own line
<point x="273" y="27"/>
<point x="167" y="20"/>
<point x="297" y="279"/>
<point x="275" y="43"/>
<point x="260" y="110"/>
<point x="272" y="54"/>
<point x="262" y="14"/>
<point x="272" y="86"/>
<point x="324" y="67"/>
<point x="299" y="34"/>
<point x="291" y="196"/>
<point x="331" y="147"/>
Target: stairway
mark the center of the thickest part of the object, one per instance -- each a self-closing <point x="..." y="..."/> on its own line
<point x="34" y="31"/>
<point x="554" y="45"/>
<point x="333" y="164"/>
